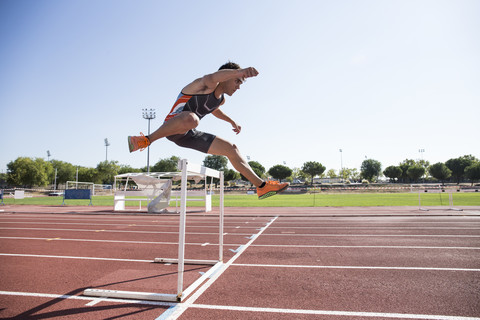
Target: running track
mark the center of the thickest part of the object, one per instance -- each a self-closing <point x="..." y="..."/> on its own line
<point x="280" y="263"/>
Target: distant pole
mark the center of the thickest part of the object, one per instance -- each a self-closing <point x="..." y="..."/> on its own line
<point x="421" y="153"/>
<point x="341" y="163"/>
<point x="421" y="156"/>
<point x="148" y="114"/>
<point x="55" y="183"/>
<point x="48" y="155"/>
<point x="106" y="149"/>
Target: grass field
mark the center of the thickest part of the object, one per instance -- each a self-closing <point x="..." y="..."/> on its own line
<point x="292" y="200"/>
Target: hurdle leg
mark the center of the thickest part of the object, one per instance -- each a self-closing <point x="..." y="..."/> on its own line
<point x="181" y="232"/>
<point x="220" y="240"/>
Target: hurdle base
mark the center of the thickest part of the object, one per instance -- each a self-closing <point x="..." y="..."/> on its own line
<point x="131" y="295"/>
<point x="186" y="261"/>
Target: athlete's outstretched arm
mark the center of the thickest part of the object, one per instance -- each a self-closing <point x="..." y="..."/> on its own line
<point x="226" y="74"/>
<point x="222" y="116"/>
<point x="210" y="81"/>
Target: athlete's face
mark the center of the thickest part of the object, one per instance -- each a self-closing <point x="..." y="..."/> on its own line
<point x="233" y="85"/>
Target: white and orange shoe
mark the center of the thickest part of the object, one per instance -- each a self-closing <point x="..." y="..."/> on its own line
<point x="271" y="188"/>
<point x="138" y="142"/>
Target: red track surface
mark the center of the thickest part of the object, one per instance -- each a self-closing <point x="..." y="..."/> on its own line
<point x="280" y="263"/>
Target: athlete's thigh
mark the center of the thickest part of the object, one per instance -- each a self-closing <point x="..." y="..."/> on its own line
<point x="222" y="147"/>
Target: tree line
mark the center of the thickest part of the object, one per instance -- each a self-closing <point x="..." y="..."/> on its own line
<point x="37" y="172"/>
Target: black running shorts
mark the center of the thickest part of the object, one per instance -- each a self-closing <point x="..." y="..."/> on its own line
<point x="193" y="139"/>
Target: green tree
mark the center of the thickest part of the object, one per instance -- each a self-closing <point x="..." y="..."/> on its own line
<point x="230" y="175"/>
<point x="370" y="169"/>
<point x="257" y="168"/>
<point x="416" y="172"/>
<point x="393" y="172"/>
<point x="298" y="174"/>
<point x="353" y="174"/>
<point x="404" y="165"/>
<point x="313" y="168"/>
<point x="216" y="162"/>
<point x="88" y="175"/>
<point x="331" y="173"/>
<point x="440" y="171"/>
<point x="107" y="170"/>
<point x="473" y="172"/>
<point x="280" y="172"/>
<point x="345" y="173"/>
<point x="28" y="172"/>
<point x="3" y="179"/>
<point x="166" y="165"/>
<point x="65" y="171"/>
<point x="124" y="168"/>
<point x="458" y="165"/>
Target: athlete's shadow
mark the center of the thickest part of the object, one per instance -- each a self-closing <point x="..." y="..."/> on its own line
<point x="35" y="313"/>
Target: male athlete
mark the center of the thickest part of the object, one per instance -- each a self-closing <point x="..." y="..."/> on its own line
<point x="201" y="97"/>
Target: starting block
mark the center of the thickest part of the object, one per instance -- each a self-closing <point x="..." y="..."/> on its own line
<point x="187" y="170"/>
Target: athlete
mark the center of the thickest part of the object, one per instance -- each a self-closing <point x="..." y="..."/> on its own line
<point x="199" y="98"/>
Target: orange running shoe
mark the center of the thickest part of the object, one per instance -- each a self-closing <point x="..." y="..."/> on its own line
<point x="138" y="142"/>
<point x="271" y="188"/>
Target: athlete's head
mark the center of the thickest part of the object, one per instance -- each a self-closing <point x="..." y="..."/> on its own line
<point x="232" y="85"/>
<point x="230" y="65"/>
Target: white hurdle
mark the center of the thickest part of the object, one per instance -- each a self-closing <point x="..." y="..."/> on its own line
<point x="440" y="190"/>
<point x="187" y="169"/>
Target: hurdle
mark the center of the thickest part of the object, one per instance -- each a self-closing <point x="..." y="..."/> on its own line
<point x="440" y="190"/>
<point x="187" y="169"/>
<point x="156" y="189"/>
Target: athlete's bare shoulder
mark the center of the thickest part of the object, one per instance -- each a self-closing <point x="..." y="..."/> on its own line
<point x="198" y="86"/>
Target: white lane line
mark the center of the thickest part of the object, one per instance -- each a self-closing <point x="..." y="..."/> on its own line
<point x="121" y="231"/>
<point x="351" y="267"/>
<point x="239" y="308"/>
<point x="65" y="296"/>
<point x="379" y="228"/>
<point x="178" y="310"/>
<point x="365" y="247"/>
<point x="71" y="257"/>
<point x="371" y="235"/>
<point x="116" y="241"/>
<point x="159" y="225"/>
<point x="237" y="245"/>
<point x="94" y="302"/>
<point x="334" y="313"/>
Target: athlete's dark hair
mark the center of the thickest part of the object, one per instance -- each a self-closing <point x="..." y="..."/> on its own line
<point x="230" y="65"/>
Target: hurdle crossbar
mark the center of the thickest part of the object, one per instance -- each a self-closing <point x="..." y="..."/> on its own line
<point x="186" y="169"/>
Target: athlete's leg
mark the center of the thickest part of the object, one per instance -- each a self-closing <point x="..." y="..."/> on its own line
<point x="225" y="148"/>
<point x="180" y="124"/>
<point x="185" y="121"/>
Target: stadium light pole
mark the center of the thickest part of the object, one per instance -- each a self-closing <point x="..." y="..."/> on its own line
<point x="341" y="163"/>
<point x="106" y="149"/>
<point x="421" y="153"/>
<point x="421" y="156"/>
<point x="48" y="155"/>
<point x="148" y="114"/>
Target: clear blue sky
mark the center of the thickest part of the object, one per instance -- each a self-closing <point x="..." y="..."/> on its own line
<point x="377" y="79"/>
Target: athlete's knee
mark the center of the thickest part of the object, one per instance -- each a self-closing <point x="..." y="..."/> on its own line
<point x="191" y="120"/>
<point x="233" y="151"/>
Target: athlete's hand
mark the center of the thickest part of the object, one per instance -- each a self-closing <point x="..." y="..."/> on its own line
<point x="236" y="128"/>
<point x="249" y="72"/>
